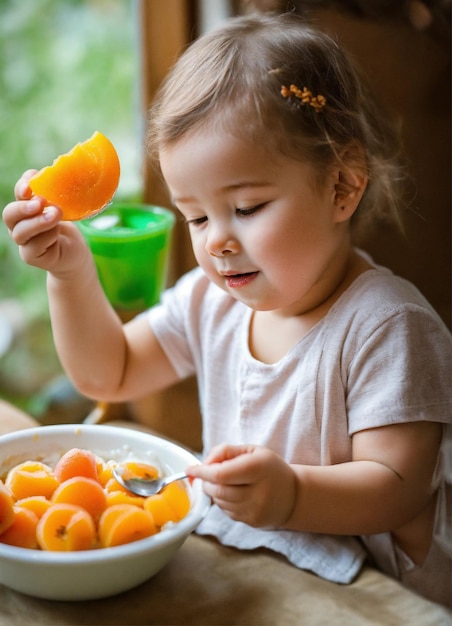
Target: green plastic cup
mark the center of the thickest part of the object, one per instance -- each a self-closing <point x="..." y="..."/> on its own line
<point x="130" y="244"/>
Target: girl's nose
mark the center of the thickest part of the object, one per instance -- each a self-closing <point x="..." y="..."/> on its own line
<point x="219" y="243"/>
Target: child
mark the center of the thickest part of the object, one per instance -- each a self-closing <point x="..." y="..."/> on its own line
<point x="324" y="380"/>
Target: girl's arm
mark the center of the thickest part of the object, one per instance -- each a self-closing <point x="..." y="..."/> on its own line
<point x="105" y="360"/>
<point x="388" y="483"/>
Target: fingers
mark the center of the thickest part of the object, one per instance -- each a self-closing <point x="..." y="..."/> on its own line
<point x="44" y="240"/>
<point x="227" y="465"/>
<point x="251" y="484"/>
<point x="228" y="478"/>
<point x="19" y="210"/>
<point x="22" y="189"/>
<point x="29" y="215"/>
<point x="236" y="502"/>
<point x="26" y="219"/>
<point x="33" y="225"/>
<point x="225" y="452"/>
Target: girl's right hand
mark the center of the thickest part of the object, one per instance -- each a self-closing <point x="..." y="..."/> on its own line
<point x="44" y="240"/>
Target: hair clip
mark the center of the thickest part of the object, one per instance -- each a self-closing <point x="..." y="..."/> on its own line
<point x="305" y="96"/>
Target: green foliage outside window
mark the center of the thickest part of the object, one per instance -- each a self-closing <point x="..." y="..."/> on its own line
<point x="67" y="68"/>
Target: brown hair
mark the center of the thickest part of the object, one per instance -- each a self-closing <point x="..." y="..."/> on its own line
<point x="231" y="79"/>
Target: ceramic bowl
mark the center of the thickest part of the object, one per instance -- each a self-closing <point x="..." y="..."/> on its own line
<point x="99" y="572"/>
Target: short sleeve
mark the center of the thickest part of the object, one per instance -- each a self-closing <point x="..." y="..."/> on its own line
<point x="175" y="322"/>
<point x="402" y="372"/>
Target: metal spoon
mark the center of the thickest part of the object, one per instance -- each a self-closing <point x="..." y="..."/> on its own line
<point x="146" y="486"/>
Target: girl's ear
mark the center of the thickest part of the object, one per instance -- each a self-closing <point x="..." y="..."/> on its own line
<point x="349" y="186"/>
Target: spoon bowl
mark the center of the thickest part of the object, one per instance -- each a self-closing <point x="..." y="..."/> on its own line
<point x="146" y="486"/>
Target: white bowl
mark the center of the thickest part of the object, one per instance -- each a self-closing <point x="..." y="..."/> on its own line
<point x="101" y="572"/>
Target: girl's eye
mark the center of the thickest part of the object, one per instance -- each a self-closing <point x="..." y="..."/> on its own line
<point x="197" y="221"/>
<point x="250" y="210"/>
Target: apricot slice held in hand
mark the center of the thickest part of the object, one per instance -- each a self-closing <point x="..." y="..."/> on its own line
<point x="81" y="182"/>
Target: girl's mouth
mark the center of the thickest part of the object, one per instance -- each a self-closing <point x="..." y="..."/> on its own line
<point x="236" y="281"/>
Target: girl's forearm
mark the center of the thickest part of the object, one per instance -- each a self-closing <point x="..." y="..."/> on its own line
<point x="87" y="332"/>
<point x="359" y="497"/>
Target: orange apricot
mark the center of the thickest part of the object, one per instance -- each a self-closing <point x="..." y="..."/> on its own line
<point x="22" y="532"/>
<point x="124" y="497"/>
<point x="6" y="508"/>
<point x="112" y="486"/>
<point x="171" y="505"/>
<point x="130" y="469"/>
<point x="177" y="497"/>
<point x="124" y="523"/>
<point x="134" y="469"/>
<point x="37" y="504"/>
<point x="160" y="509"/>
<point x="84" y="492"/>
<point x="76" y="462"/>
<point x="82" y="181"/>
<point x="31" y="478"/>
<point x="66" y="527"/>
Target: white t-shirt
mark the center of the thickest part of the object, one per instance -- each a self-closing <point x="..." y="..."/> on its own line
<point x="380" y="356"/>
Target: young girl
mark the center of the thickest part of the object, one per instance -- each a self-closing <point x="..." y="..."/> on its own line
<point x="324" y="380"/>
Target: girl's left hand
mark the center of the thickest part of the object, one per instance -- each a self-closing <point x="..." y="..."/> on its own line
<point x="250" y="483"/>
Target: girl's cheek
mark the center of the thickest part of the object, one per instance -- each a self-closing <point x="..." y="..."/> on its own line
<point x="199" y="249"/>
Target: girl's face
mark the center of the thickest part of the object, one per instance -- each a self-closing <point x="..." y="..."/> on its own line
<point x="261" y="228"/>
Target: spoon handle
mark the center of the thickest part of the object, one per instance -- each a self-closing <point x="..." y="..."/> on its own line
<point x="171" y="479"/>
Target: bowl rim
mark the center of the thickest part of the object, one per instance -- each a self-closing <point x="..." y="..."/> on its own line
<point x="168" y="535"/>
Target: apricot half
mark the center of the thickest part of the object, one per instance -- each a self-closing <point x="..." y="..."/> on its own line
<point x="37" y="504"/>
<point x="6" y="508"/>
<point x="66" y="527"/>
<point x="177" y="497"/>
<point x="123" y="497"/>
<point x="22" y="532"/>
<point x="81" y="182"/>
<point x="124" y="523"/>
<point x="134" y="469"/>
<point x="76" y="462"/>
<point x="171" y="505"/>
<point x="84" y="492"/>
<point x="31" y="478"/>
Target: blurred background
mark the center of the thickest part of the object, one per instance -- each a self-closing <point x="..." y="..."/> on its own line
<point x="66" y="69"/>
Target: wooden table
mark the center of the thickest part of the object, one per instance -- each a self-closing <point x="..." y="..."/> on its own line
<point x="209" y="584"/>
